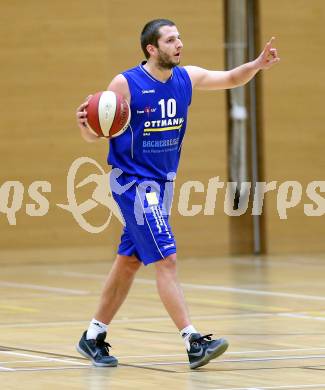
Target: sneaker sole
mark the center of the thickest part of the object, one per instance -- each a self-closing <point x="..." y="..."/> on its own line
<point x="83" y="353"/>
<point x="219" y="351"/>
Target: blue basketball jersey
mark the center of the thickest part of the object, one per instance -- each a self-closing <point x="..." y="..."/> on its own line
<point x="151" y="145"/>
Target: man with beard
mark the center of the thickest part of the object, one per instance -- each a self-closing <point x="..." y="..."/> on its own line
<point x="146" y="158"/>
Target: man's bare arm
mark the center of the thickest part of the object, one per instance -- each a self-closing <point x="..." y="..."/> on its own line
<point x="118" y="85"/>
<point x="212" y="80"/>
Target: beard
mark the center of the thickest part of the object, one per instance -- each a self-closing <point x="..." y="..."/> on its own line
<point x="165" y="61"/>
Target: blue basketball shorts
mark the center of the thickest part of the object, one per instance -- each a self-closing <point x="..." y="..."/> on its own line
<point x="145" y="205"/>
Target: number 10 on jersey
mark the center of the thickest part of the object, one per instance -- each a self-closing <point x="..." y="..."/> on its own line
<point x="169" y="108"/>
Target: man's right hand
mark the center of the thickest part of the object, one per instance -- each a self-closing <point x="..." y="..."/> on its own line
<point x="81" y="116"/>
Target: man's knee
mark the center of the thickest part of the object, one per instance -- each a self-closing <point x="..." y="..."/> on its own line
<point x="167" y="264"/>
<point x="130" y="263"/>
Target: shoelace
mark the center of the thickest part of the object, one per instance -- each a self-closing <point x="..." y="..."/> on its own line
<point x="103" y="346"/>
<point x="203" y="339"/>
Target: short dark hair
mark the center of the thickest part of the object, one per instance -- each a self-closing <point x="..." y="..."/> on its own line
<point x="150" y="33"/>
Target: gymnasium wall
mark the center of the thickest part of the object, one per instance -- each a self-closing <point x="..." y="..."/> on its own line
<point x="293" y="101"/>
<point x="53" y="55"/>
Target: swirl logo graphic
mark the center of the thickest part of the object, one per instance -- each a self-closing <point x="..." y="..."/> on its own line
<point x="101" y="195"/>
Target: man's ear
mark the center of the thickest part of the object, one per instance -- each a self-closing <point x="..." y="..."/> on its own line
<point x="151" y="49"/>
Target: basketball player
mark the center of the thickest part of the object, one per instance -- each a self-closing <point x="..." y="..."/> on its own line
<point x="159" y="92"/>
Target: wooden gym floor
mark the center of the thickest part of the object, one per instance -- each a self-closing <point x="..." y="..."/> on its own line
<point x="272" y="310"/>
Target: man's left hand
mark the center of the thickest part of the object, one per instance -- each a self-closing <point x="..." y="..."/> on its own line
<point x="268" y="57"/>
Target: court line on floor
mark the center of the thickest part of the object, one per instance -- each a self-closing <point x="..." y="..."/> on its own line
<point x="43" y="288"/>
<point x="81" y="367"/>
<point x="22" y="361"/>
<point x="261" y="263"/>
<point x="6" y="369"/>
<point x="295" y="387"/>
<point x="43" y="358"/>
<point x="252" y="292"/>
<point x="147" y="366"/>
<point x="143" y="319"/>
<point x="166" y="318"/>
<point x="35" y="352"/>
<point x="151" y="365"/>
<point x="62" y="360"/>
<point x="294" y="315"/>
<point x="46" y="368"/>
<point x="243" y="360"/>
<point x="273" y="358"/>
<point x="301" y="316"/>
<point x="229" y="352"/>
<point x="211" y="287"/>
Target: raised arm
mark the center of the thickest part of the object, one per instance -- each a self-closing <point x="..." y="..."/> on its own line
<point x="211" y="80"/>
<point x="118" y="85"/>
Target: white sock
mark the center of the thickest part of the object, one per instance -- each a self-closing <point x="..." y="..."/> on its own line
<point x="186" y="333"/>
<point x="95" y="327"/>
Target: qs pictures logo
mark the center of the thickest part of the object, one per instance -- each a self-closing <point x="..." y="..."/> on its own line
<point x="249" y="198"/>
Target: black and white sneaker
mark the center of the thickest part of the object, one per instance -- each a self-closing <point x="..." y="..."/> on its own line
<point x="203" y="349"/>
<point x="96" y="350"/>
